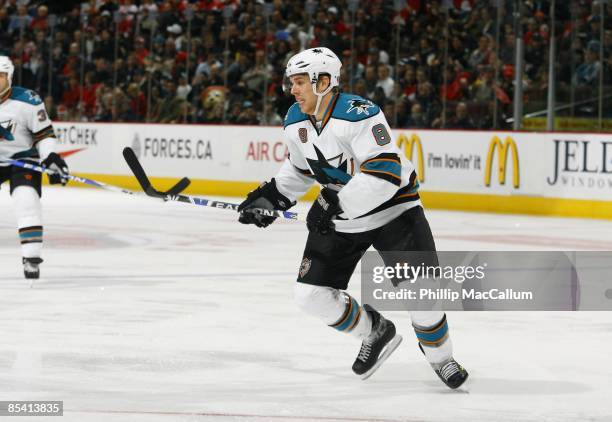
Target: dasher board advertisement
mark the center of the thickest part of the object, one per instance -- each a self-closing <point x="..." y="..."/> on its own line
<point x="551" y="174"/>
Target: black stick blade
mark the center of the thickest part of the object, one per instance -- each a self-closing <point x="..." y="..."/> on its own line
<point x="143" y="179"/>
<point x="134" y="164"/>
<point x="180" y="186"/>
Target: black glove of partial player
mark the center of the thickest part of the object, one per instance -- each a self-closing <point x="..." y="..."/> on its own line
<point x="57" y="164"/>
<point x="323" y="211"/>
<point x="267" y="197"/>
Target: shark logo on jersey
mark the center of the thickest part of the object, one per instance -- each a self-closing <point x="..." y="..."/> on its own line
<point x="325" y="173"/>
<point x="7" y="128"/>
<point x="317" y="51"/>
<point x="34" y="97"/>
<point x="360" y="106"/>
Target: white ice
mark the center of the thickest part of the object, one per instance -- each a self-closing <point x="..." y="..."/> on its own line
<point x="167" y="312"/>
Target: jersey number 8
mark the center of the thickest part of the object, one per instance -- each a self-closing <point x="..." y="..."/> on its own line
<point x="380" y="134"/>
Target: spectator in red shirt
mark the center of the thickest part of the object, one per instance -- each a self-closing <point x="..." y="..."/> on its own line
<point x="72" y="95"/>
<point x="73" y="62"/>
<point x="89" y="94"/>
<point x="410" y="82"/>
<point x="457" y="84"/>
<point x="210" y="5"/>
<point x="141" y="51"/>
<point x="40" y="21"/>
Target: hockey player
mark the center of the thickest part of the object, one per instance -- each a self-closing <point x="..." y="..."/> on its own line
<point x="26" y="133"/>
<point x="369" y="198"/>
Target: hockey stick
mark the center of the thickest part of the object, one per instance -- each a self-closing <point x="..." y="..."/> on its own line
<point x="174" y="190"/>
<point x="145" y="183"/>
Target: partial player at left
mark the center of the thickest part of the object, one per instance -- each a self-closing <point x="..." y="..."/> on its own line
<point x="26" y="134"/>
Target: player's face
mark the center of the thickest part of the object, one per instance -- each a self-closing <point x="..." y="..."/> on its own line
<point x="302" y="91"/>
<point x="4" y="84"/>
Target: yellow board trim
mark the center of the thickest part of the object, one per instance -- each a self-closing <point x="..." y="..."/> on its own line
<point x="513" y="204"/>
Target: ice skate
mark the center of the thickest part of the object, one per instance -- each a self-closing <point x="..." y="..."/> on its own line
<point x="378" y="346"/>
<point x="450" y="372"/>
<point x="31" y="269"/>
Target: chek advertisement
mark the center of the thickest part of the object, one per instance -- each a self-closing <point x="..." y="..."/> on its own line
<point x="472" y="170"/>
<point x="86" y="147"/>
<point x="200" y="152"/>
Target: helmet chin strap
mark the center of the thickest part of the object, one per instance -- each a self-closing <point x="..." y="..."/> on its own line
<point x="320" y="96"/>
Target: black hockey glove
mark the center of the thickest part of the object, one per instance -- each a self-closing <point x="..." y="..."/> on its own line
<point x="267" y="197"/>
<point x="323" y="211"/>
<point x="57" y="164"/>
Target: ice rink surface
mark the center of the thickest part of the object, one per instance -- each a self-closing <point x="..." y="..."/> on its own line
<point x="167" y="312"/>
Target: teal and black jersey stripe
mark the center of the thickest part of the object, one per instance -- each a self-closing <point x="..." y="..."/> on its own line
<point x="30" y="153"/>
<point x="350" y="317"/>
<point x="408" y="193"/>
<point x="32" y="234"/>
<point x="47" y="132"/>
<point x="386" y="166"/>
<point x="433" y="336"/>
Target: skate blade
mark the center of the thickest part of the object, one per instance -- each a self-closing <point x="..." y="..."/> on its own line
<point x="31" y="281"/>
<point x="390" y="348"/>
<point x="458" y="387"/>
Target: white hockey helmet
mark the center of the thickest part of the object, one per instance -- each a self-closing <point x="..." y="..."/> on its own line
<point x="6" y="66"/>
<point x="316" y="62"/>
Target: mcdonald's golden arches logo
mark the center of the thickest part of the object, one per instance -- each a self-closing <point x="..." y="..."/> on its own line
<point x="408" y="145"/>
<point x="502" y="151"/>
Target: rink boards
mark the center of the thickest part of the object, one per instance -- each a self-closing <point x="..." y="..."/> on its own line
<point x="564" y="174"/>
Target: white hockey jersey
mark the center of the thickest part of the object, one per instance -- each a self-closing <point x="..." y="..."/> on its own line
<point x="23" y="124"/>
<point x="353" y="152"/>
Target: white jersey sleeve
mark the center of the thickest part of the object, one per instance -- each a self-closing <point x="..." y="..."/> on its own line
<point x="294" y="179"/>
<point x="38" y="119"/>
<point x="380" y="167"/>
<point x="42" y="130"/>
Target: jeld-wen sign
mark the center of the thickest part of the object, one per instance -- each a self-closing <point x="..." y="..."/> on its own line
<point x="586" y="163"/>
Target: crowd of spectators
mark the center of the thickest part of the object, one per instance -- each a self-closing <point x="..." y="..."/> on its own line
<point x="215" y="61"/>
